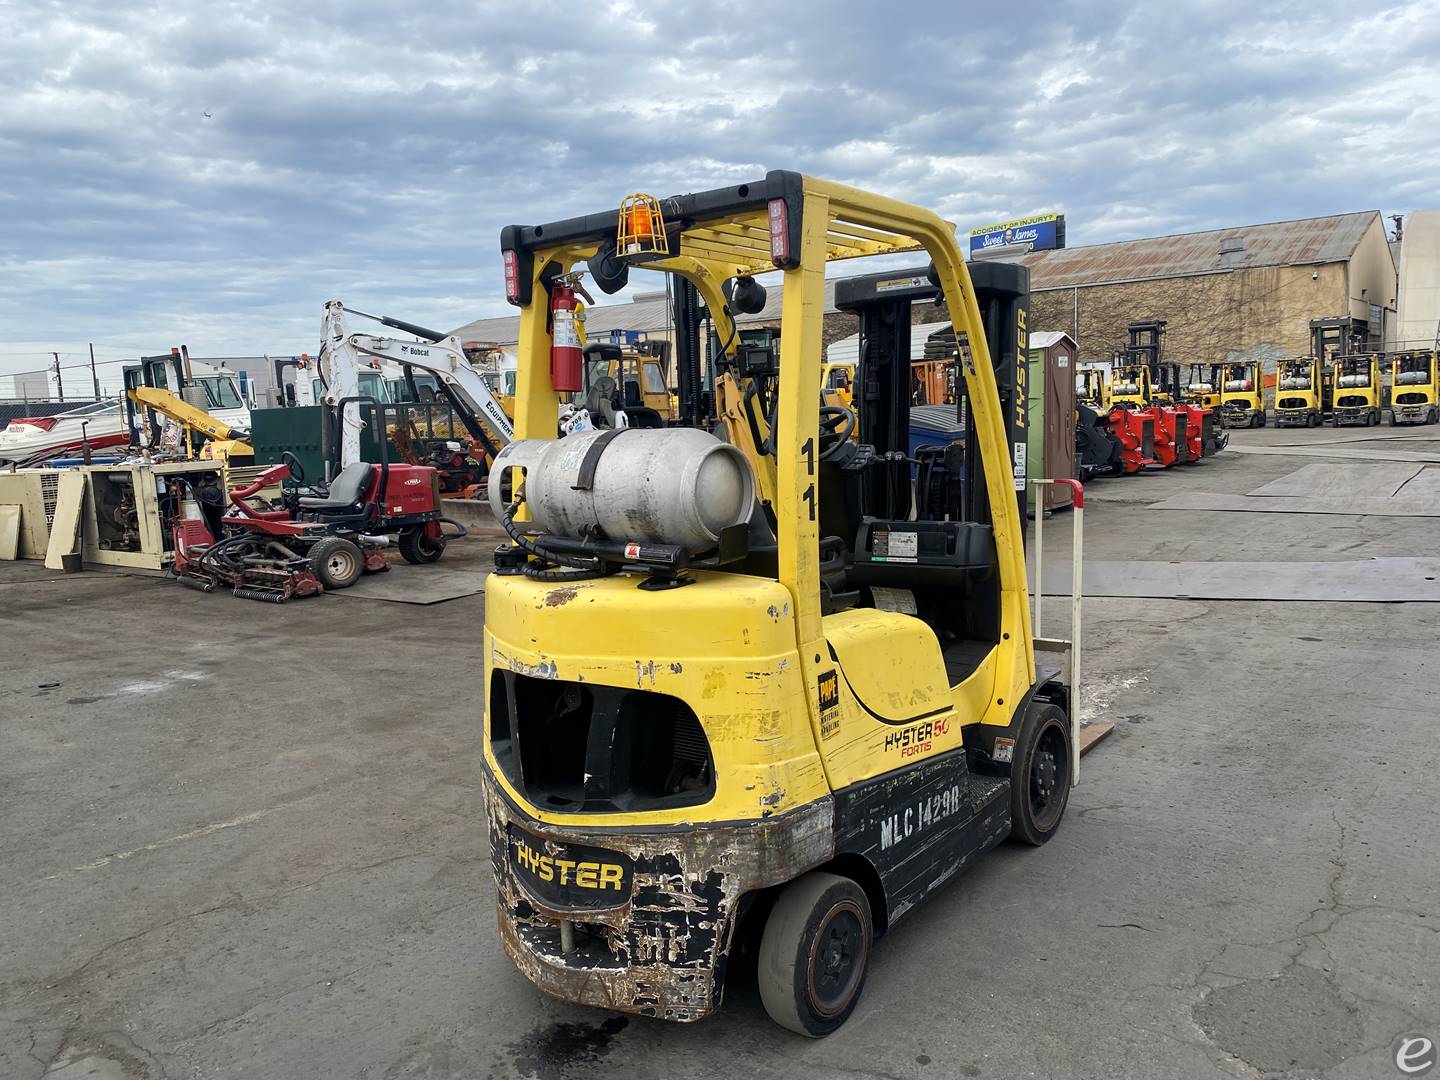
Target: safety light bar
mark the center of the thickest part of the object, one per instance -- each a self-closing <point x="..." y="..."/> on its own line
<point x="512" y="277"/>
<point x="779" y="216"/>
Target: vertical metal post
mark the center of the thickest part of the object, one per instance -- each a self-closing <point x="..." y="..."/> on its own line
<point x="1039" y="549"/>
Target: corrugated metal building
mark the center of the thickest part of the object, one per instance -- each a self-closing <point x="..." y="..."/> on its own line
<point x="1250" y="290"/>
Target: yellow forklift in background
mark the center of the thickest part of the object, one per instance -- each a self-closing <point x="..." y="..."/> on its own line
<point x="768" y="704"/>
<point x="1092" y="388"/>
<point x="837" y="381"/>
<point x="1202" y="386"/>
<point x="1357" y="390"/>
<point x="1415" y="387"/>
<point x="1242" y="395"/>
<point x="1130" y="385"/>
<point x="1304" y="392"/>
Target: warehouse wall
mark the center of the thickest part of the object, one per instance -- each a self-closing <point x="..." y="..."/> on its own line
<point x="1420" y="278"/>
<point x="1265" y="310"/>
<point x="1372" y="275"/>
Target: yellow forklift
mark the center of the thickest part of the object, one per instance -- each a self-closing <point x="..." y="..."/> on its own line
<point x="740" y="693"/>
<point x="1357" y="390"/>
<point x="1415" y="387"/>
<point x="1202" y="386"/>
<point x="1242" y="395"/>
<point x="1092" y="388"/>
<point x="1130" y="385"/>
<point x="1304" y="392"/>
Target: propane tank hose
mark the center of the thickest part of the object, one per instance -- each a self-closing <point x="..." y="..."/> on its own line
<point x="580" y="569"/>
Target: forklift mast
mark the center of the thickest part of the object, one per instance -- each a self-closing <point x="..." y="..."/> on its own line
<point x="1333" y="337"/>
<point x="883" y="303"/>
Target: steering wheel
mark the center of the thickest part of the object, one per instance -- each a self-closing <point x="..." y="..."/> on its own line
<point x="297" y="471"/>
<point x="836" y="424"/>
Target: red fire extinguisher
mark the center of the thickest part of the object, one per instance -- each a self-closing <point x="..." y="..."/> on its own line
<point x="566" y="358"/>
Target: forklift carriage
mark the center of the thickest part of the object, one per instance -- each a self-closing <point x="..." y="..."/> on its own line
<point x="734" y="695"/>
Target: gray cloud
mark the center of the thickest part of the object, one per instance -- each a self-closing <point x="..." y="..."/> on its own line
<point x="361" y="151"/>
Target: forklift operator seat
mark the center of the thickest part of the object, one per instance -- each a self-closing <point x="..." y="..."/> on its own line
<point x="347" y="491"/>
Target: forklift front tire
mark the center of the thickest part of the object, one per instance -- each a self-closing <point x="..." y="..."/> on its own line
<point x="1040" y="775"/>
<point x="815" y="953"/>
<point x="337" y="562"/>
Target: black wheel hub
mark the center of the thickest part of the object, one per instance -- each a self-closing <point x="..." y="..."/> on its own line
<point x="837" y="959"/>
<point x="1049" y="778"/>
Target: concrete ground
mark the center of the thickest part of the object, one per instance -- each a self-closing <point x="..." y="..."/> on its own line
<point x="242" y="840"/>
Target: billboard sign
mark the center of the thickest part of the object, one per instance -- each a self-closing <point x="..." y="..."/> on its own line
<point x="1039" y="233"/>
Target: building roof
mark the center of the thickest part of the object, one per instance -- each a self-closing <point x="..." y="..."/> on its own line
<point x="1304" y="242"/>
<point x="1045" y="338"/>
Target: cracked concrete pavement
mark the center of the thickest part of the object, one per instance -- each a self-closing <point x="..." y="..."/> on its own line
<point x="246" y="841"/>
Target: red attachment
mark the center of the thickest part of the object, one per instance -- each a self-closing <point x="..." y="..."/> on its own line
<point x="1194" y="430"/>
<point x="1134" y="430"/>
<point x="375" y="561"/>
<point x="1077" y="491"/>
<point x="566" y="358"/>
<point x="1166" y="452"/>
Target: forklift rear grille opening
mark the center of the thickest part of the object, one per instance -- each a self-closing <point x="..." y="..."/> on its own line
<point x="581" y="747"/>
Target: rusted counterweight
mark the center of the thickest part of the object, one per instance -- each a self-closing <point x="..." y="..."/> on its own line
<point x="661" y="952"/>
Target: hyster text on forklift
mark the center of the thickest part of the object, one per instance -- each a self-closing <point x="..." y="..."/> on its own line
<point x="736" y="690"/>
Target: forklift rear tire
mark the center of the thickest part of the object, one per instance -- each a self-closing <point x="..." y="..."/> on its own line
<point x="815" y="953"/>
<point x="418" y="548"/>
<point x="1040" y="775"/>
<point x="337" y="562"/>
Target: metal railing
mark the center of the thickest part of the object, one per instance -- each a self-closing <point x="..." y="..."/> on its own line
<point x="1071" y="647"/>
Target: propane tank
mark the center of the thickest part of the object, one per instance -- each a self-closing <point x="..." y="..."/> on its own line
<point x="566" y="358"/>
<point x="678" y="486"/>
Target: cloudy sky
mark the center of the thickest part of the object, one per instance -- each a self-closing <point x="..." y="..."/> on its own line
<point x="372" y="150"/>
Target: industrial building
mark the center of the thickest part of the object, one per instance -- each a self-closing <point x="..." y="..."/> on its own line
<point x="1249" y="290"/>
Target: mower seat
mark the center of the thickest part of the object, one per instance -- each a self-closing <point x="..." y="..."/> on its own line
<point x="347" y="491"/>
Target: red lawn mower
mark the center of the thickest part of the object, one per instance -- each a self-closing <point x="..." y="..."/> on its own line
<point x="312" y="539"/>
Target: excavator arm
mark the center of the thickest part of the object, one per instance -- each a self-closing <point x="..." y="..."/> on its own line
<point x="225" y="441"/>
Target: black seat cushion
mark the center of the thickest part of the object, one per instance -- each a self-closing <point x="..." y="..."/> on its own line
<point x="346" y="490"/>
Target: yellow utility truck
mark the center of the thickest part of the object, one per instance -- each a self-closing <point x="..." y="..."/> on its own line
<point x="734" y="689"/>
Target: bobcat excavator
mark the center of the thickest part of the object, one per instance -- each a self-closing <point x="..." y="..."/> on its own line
<point x="746" y="694"/>
<point x="343" y="355"/>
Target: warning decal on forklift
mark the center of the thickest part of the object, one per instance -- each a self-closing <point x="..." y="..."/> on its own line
<point x="891" y="545"/>
<point x="1004" y="750"/>
<point x="1019" y="470"/>
<point x="916" y="282"/>
<point x="829" y="687"/>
